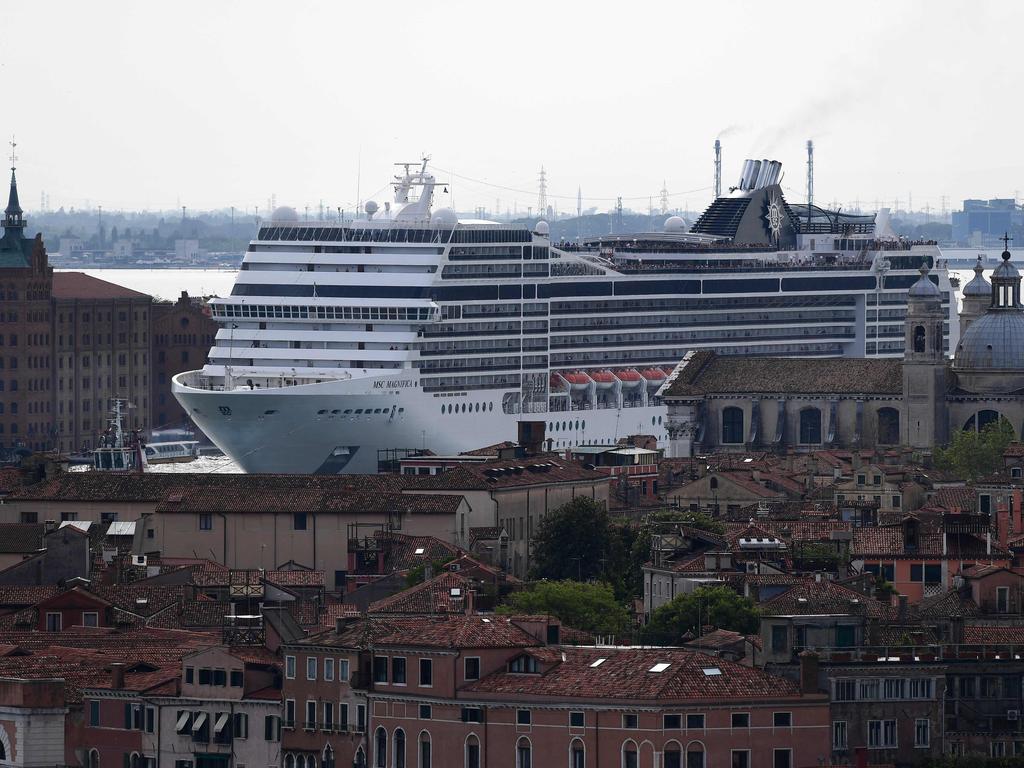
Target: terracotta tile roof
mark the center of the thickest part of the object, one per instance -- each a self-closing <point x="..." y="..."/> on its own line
<point x="402" y="552"/>
<point x="949" y="604"/>
<point x="490" y="450"/>
<point x="11" y="478"/>
<point x="20" y="538"/>
<point x="896" y="634"/>
<point x="485" y="533"/>
<point x="99" y="486"/>
<point x="430" y="597"/>
<point x="542" y="469"/>
<point x="78" y="285"/>
<point x="20" y="596"/>
<point x="716" y="639"/>
<point x="297" y="578"/>
<point x="955" y="499"/>
<point x="450" y="631"/>
<point x="986" y="634"/>
<point x="810" y="598"/>
<point x="625" y="674"/>
<point x="707" y="372"/>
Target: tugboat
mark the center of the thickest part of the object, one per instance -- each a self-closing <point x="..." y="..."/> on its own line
<point x="118" y="451"/>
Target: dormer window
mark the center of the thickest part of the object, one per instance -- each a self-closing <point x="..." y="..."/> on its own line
<point x="524" y="664"/>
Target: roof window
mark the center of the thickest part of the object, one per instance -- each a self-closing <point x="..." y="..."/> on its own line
<point x="661" y="666"/>
<point x="598" y="663"/>
<point x="712" y="671"/>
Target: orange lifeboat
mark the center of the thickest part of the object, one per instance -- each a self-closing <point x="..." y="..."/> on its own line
<point x="603" y="379"/>
<point x="630" y="378"/>
<point x="577" y="380"/>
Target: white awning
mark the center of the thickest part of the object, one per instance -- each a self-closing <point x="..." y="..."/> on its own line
<point x="182" y="724"/>
<point x="222" y="720"/>
<point x="199" y="722"/>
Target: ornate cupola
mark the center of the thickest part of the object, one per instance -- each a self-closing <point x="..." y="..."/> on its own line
<point x="1006" y="282"/>
<point x="14" y="220"/>
<point x="977" y="296"/>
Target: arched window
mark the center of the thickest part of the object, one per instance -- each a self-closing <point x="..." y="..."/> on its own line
<point x="673" y="755"/>
<point x="289" y="761"/>
<point x="810" y="426"/>
<point x="919" y="343"/>
<point x="695" y="755"/>
<point x="577" y="754"/>
<point x="360" y="759"/>
<point x="300" y="761"/>
<point x="328" y="757"/>
<point x="888" y="426"/>
<point x="94" y="756"/>
<point x="399" y="757"/>
<point x="524" y="753"/>
<point x="713" y="483"/>
<point x="732" y="425"/>
<point x="311" y="762"/>
<point x="472" y="751"/>
<point x="380" y="748"/>
<point x="630" y="758"/>
<point x="425" y="754"/>
<point x="981" y="419"/>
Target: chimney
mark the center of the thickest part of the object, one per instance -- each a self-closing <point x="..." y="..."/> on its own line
<point x="1003" y="526"/>
<point x="901" y="610"/>
<point x="808" y="672"/>
<point x="531" y="436"/>
<point x="341" y="623"/>
<point x="116" y="676"/>
<point x="855" y="459"/>
<point x="49" y="526"/>
<point x="470" y="602"/>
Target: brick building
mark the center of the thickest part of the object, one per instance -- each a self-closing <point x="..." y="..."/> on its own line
<point x="26" y="407"/>
<point x="183" y="333"/>
<point x="101" y="349"/>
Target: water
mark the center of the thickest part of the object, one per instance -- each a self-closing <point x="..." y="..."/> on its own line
<point x="168" y="283"/>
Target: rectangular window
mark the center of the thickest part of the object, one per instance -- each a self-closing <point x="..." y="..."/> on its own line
<point x="845" y="690"/>
<point x="220" y="677"/>
<point x="311" y="667"/>
<point x="922" y="732"/>
<point x="631" y="722"/>
<point x="398" y="670"/>
<point x="150" y="719"/>
<point x="299" y="521"/>
<point x="236" y="678"/>
<point x="426" y="672"/>
<point x="523" y="717"/>
<point x="328" y="716"/>
<point x="694" y="721"/>
<point x="425" y="712"/>
<point x="840" y="739"/>
<point x="740" y="719"/>
<point x="577" y="719"/>
<point x="472" y="668"/>
<point x="380" y="669"/>
<point x="472" y="715"/>
<point x="205" y="522"/>
<point x="271" y="728"/>
<point x="240" y="725"/>
<point x="328" y="669"/>
<point x="868" y="690"/>
<point x="1002" y="599"/>
<point x="289" y="713"/>
<point x="780" y="638"/>
<point x="741" y="758"/>
<point x="894" y="688"/>
<point x="53" y="622"/>
<point x="782" y="758"/>
<point x="881" y="734"/>
<point x="361" y="717"/>
<point x="921" y="688"/>
<point x="184" y="722"/>
<point x="342" y="716"/>
<point x="310" y="723"/>
<point x="917" y="571"/>
<point x="90" y="619"/>
<point x="932" y="574"/>
<point x="672" y="722"/>
<point x="94" y="714"/>
<point x="289" y="667"/>
<point x="782" y="719"/>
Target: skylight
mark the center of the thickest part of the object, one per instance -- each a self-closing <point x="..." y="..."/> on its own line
<point x="661" y="666"/>
<point x="712" y="671"/>
<point x="598" y="663"/>
<point x="420" y="550"/>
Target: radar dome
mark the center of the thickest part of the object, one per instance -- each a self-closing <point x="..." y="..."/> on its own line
<point x="285" y="214"/>
<point x="675" y="224"/>
<point x="542" y="228"/>
<point x="370" y="208"/>
<point x="444" y="218"/>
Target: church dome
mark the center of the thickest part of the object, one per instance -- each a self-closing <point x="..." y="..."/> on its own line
<point x="924" y="288"/>
<point x="978" y="287"/>
<point x="995" y="341"/>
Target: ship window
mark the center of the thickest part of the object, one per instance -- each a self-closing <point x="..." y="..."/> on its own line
<point x="490" y="406"/>
<point x="321" y="412"/>
<point x="359" y="410"/>
<point x="377" y="410"/>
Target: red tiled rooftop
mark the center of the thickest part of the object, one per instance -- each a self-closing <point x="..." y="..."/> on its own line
<point x="78" y="285"/>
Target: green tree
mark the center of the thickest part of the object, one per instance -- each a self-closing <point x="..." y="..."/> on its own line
<point x="573" y="542"/>
<point x="971" y="455"/>
<point x="416" y="574"/>
<point x="590" y="607"/>
<point x="657" y="522"/>
<point x="720" y="607"/>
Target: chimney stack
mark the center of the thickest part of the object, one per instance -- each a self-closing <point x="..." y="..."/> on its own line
<point x="901" y="611"/>
<point x="718" y="169"/>
<point x="117" y="676"/>
<point x="1003" y="526"/>
<point x="808" y="672"/>
<point x="470" y="605"/>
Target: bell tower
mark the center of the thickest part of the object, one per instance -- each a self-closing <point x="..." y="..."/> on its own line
<point x="925" y="367"/>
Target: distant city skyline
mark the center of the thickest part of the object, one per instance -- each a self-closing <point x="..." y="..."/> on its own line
<point x="209" y="106"/>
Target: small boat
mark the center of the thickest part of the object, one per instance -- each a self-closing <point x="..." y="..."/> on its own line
<point x="577" y="381"/>
<point x="630" y="378"/>
<point x="172" y="450"/>
<point x="119" y="451"/>
<point x="603" y="379"/>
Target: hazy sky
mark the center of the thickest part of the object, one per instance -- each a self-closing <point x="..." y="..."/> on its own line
<point x="209" y="104"/>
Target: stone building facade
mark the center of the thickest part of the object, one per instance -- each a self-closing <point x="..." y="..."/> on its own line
<point x="183" y="334"/>
<point x="719" y="403"/>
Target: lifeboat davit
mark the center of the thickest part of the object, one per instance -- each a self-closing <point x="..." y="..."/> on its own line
<point x="577" y="381"/>
<point x="603" y="379"/>
<point x="655" y="377"/>
<point x="630" y="378"/>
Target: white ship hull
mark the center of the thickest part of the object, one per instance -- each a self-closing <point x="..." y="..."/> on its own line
<point x="282" y="430"/>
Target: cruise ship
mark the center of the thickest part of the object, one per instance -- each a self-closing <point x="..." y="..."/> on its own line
<point x="344" y="345"/>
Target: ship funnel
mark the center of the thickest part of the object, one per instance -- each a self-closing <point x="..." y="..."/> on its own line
<point x="762" y="174"/>
<point x="774" y="173"/>
<point x="745" y="173"/>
